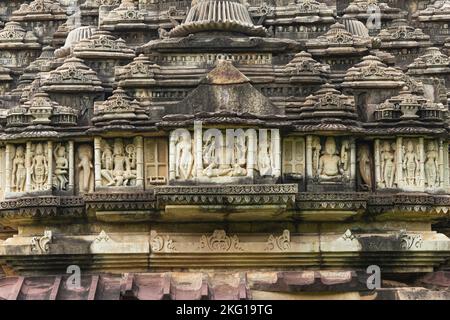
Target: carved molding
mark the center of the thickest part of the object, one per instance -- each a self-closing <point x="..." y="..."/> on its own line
<point x="41" y="245"/>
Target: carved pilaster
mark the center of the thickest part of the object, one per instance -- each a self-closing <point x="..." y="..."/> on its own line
<point x="71" y="183"/>
<point x="139" y="142"/>
<point x="97" y="162"/>
<point x="399" y="164"/>
<point x="8" y="157"/>
<point x="50" y="164"/>
<point x="442" y="170"/>
<point x="352" y="159"/>
<point x="276" y="151"/>
<point x="378" y="179"/>
<point x="28" y="167"/>
<point x="309" y="168"/>
<point x="198" y="148"/>
<point x="421" y="163"/>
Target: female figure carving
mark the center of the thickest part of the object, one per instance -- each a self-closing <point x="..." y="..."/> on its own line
<point x="431" y="165"/>
<point x="19" y="171"/>
<point x="61" y="167"/>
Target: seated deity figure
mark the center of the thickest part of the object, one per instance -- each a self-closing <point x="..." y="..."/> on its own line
<point x="212" y="160"/>
<point x="330" y="163"/>
<point x="410" y="164"/>
<point x="19" y="171"/>
<point x="123" y="164"/>
<point x="431" y="165"/>
<point x="39" y="168"/>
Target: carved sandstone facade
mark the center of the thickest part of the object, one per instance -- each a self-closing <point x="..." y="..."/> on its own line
<point x="279" y="140"/>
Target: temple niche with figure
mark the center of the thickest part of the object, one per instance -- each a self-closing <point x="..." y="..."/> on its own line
<point x="224" y="149"/>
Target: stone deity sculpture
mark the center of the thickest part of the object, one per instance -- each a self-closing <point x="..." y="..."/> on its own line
<point x="431" y="166"/>
<point x="184" y="157"/>
<point x="119" y="165"/>
<point x="410" y="164"/>
<point x="330" y="163"/>
<point x="388" y="165"/>
<point x="19" y="171"/>
<point x="39" y="169"/>
<point x="365" y="166"/>
<point x="61" y="167"/>
<point x="85" y="168"/>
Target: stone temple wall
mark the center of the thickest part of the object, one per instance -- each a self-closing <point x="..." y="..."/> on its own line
<point x="275" y="146"/>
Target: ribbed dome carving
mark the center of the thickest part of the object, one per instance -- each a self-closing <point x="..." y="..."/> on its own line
<point x="218" y="15"/>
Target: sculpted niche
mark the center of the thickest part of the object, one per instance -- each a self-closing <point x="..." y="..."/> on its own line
<point x="229" y="155"/>
<point x="85" y="168"/>
<point x="412" y="164"/>
<point x="19" y="172"/>
<point x="117" y="162"/>
<point x="331" y="161"/>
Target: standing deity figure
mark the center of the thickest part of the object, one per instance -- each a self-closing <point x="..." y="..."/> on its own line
<point x="345" y="148"/>
<point x="239" y="157"/>
<point x="19" y="171"/>
<point x="410" y="164"/>
<point x="61" y="167"/>
<point x="329" y="162"/>
<point x="39" y="168"/>
<point x="239" y="151"/>
<point x="107" y="164"/>
<point x="85" y="168"/>
<point x="431" y="165"/>
<point x="365" y="168"/>
<point x="316" y="146"/>
<point x="184" y="158"/>
<point x="264" y="160"/>
<point x="388" y="165"/>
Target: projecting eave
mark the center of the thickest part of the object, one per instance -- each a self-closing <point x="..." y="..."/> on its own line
<point x="218" y="41"/>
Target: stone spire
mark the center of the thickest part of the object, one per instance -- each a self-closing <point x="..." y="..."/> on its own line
<point x="218" y="15"/>
<point x="329" y="108"/>
<point x="304" y="69"/>
<point x="408" y="106"/>
<point x="118" y="109"/>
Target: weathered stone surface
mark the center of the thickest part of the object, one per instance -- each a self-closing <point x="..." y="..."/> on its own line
<point x="293" y="143"/>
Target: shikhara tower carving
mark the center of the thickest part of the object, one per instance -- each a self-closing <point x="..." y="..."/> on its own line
<point x="271" y="139"/>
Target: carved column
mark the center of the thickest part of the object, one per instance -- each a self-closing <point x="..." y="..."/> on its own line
<point x="352" y="159"/>
<point x="377" y="163"/>
<point x="50" y="165"/>
<point x="139" y="142"/>
<point x="441" y="164"/>
<point x="97" y="161"/>
<point x="198" y="141"/>
<point x="276" y="151"/>
<point x="172" y="155"/>
<point x="309" y="171"/>
<point x="71" y="167"/>
<point x="28" y="167"/>
<point x="8" y="168"/>
<point x="421" y="163"/>
<point x="252" y="151"/>
<point x="399" y="164"/>
<point x="446" y="182"/>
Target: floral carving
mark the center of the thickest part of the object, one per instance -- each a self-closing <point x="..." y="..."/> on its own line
<point x="40" y="245"/>
<point x="219" y="241"/>
<point x="282" y="242"/>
